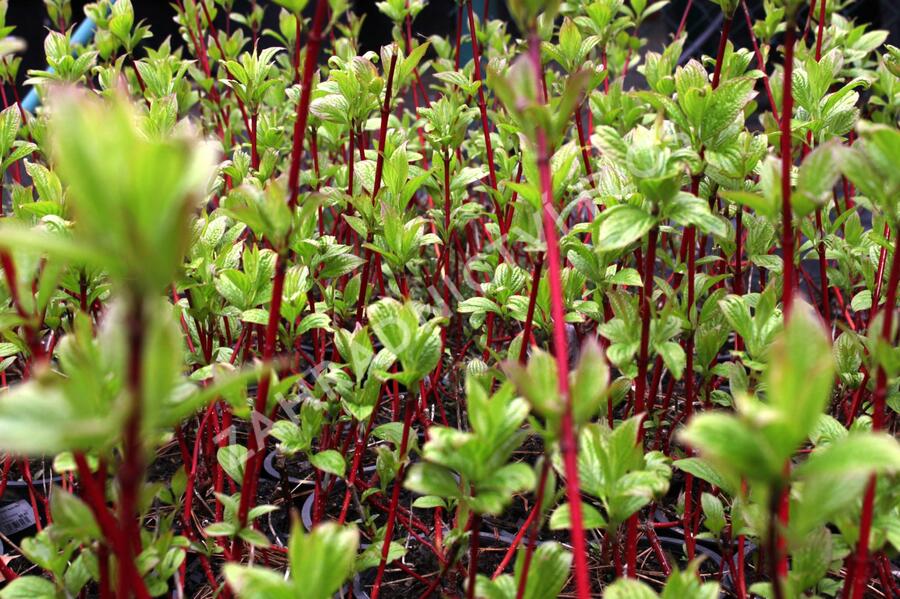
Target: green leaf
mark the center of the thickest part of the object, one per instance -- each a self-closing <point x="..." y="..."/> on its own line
<point x="673" y="356"/>
<point x="513" y="478"/>
<point x="732" y="446"/>
<point x="72" y="516"/>
<point x="612" y="144"/>
<point x="799" y="378"/>
<point x="393" y="324"/>
<point x="330" y="461"/>
<point x="502" y="587"/>
<point x="855" y="454"/>
<point x="429" y="501"/>
<point x="121" y="20"/>
<point x="562" y="517"/>
<point x="827" y="429"/>
<point x="825" y="499"/>
<point x="758" y="203"/>
<point x="79" y="573"/>
<point x="221" y="529"/>
<point x="131" y="193"/>
<point x="538" y="382"/>
<point x="628" y="277"/>
<point x="356" y="349"/>
<point x="321" y="560"/>
<point x="233" y="459"/>
<point x="588" y="383"/>
<point x="625" y="588"/>
<point x="313" y="321"/>
<point x="548" y="573"/>
<point x="737" y="312"/>
<point x="36" y="418"/>
<point x="45" y="182"/>
<point x="371" y="557"/>
<point x="10" y="121"/>
<point x="293" y="6"/>
<point x="622" y="226"/>
<point x="702" y="469"/>
<point x="430" y="479"/>
<point x="811" y="558"/>
<point x="818" y="173"/>
<point x="477" y="305"/>
<point x="391" y="432"/>
<point x="411" y="62"/>
<point x="861" y="301"/>
<point x="65" y="248"/>
<point x="340" y="265"/>
<point x="255" y="316"/>
<point x="29" y="587"/>
<point x="687" y="209"/>
<point x="569" y="42"/>
<point x="250" y="582"/>
<point x="714" y="512"/>
<point x="253" y="537"/>
<point x="725" y="107"/>
<point x="397" y="327"/>
<point x="686" y="583"/>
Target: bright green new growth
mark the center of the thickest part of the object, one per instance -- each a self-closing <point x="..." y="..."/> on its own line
<point x="755" y="443"/>
<point x="681" y="584"/>
<point x="546" y="576"/>
<point x="320" y="562"/>
<point x="416" y="346"/>
<point x="613" y="468"/>
<point x="411" y="245"/>
<point x="472" y="467"/>
<point x="132" y="195"/>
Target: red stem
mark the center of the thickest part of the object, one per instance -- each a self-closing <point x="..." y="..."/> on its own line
<point x="187" y="514"/>
<point x="475" y="536"/>
<point x="482" y="105"/>
<point x="254" y="451"/>
<point x="819" y="33"/>
<point x="532" y="301"/>
<point x="568" y="441"/>
<point x="525" y="528"/>
<point x="132" y="469"/>
<point x="385" y="112"/>
<point x="684" y="16"/>
<point x="789" y="279"/>
<point x="787" y="234"/>
<point x="861" y="574"/>
<point x="395" y="493"/>
<point x="640" y="386"/>
<point x="111" y="530"/>
<point x="760" y="61"/>
<point x="738" y="263"/>
<point x="254" y="150"/>
<point x="690" y="244"/>
<point x="532" y="535"/>
<point x="309" y="67"/>
<point x="823" y="265"/>
<point x="879" y="273"/>
<point x="584" y="142"/>
<point x="379" y="169"/>
<point x="657" y="550"/>
<point x="723" y="42"/>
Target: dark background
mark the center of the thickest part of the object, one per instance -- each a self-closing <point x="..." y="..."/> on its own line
<point x="439" y="17"/>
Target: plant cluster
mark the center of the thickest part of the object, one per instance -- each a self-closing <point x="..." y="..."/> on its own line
<point x="576" y="317"/>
